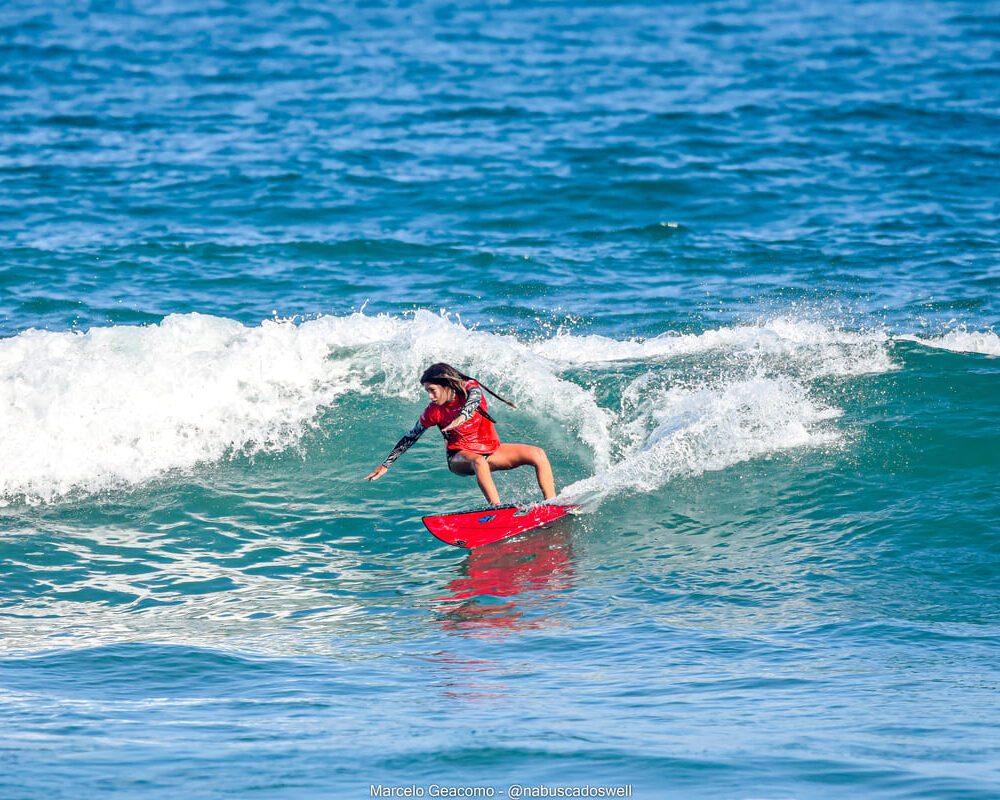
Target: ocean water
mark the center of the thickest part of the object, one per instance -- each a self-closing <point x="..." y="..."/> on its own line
<point x="736" y="263"/>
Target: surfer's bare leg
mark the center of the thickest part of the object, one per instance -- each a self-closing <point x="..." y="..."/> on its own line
<point x="510" y="456"/>
<point x="468" y="463"/>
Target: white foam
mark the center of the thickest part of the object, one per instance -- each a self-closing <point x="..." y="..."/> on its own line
<point x="699" y="429"/>
<point x="124" y="404"/>
<point x="961" y="341"/>
<point x="820" y="349"/>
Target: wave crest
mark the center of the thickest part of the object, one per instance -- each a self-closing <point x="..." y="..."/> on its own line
<point x="986" y="343"/>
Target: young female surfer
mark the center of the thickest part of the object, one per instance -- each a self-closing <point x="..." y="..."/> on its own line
<point x="458" y="408"/>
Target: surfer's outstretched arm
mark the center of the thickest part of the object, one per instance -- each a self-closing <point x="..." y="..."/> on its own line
<point x="401" y="447"/>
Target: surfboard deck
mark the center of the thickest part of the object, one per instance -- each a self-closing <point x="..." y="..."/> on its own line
<point x="475" y="528"/>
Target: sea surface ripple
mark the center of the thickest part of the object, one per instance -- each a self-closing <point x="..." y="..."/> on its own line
<point x="736" y="264"/>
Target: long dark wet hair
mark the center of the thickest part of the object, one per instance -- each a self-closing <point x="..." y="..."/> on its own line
<point x="446" y="375"/>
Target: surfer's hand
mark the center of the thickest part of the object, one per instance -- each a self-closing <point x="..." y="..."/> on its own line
<point x="454" y="423"/>
<point x="380" y="470"/>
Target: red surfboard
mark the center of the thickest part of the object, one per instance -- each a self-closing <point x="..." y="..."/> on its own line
<point x="476" y="528"/>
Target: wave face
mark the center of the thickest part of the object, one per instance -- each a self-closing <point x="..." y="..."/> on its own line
<point x="119" y="406"/>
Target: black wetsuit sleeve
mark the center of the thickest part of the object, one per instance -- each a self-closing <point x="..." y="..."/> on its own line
<point x="471" y="406"/>
<point x="404" y="444"/>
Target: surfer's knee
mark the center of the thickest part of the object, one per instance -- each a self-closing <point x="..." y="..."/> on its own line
<point x="537" y="456"/>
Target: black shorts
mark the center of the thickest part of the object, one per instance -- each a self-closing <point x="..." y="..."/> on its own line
<point x="453" y="453"/>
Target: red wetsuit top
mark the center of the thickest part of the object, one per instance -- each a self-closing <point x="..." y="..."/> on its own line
<point x="477" y="434"/>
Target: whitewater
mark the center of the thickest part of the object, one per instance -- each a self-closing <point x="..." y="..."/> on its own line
<point x="111" y="407"/>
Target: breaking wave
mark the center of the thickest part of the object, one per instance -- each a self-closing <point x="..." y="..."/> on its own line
<point x="117" y="406"/>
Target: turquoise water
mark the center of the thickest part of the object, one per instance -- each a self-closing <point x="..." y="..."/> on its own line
<point x="736" y="265"/>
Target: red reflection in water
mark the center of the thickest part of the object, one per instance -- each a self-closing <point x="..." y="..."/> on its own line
<point x="541" y="560"/>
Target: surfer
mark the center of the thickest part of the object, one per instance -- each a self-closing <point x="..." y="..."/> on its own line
<point x="457" y="406"/>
